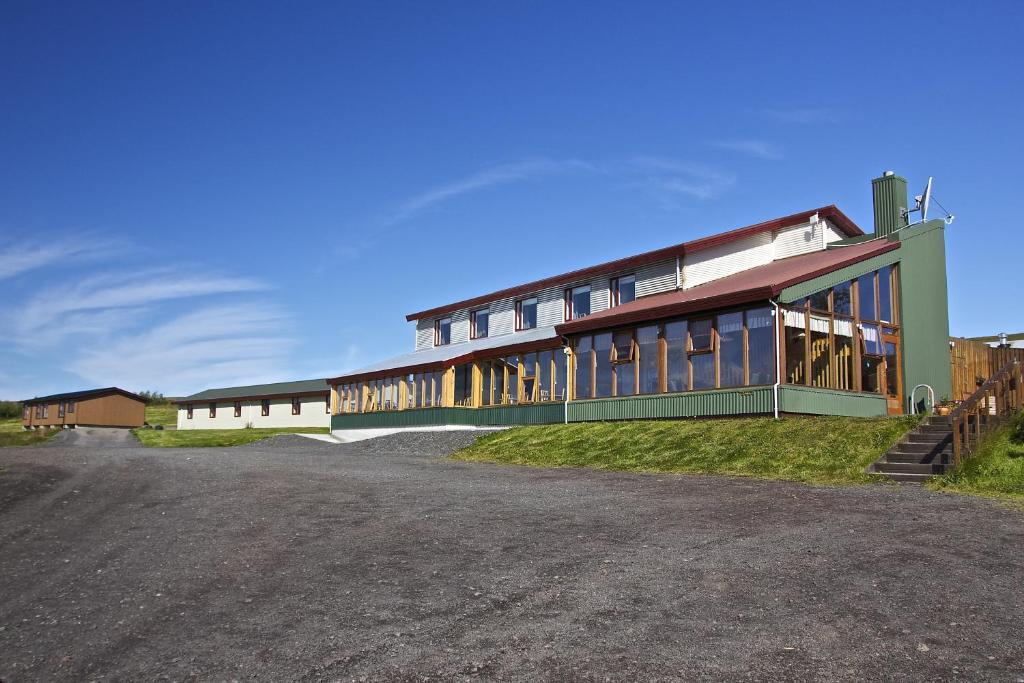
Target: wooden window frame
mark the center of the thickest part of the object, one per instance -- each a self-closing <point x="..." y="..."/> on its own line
<point x="238" y="409"/>
<point x="473" y="332"/>
<point x="437" y="331"/>
<point x="265" y="407"/>
<point x="519" y="313"/>
<point x="61" y="409"/>
<point x="568" y="312"/>
<point x="614" y="298"/>
<point x="71" y="407"/>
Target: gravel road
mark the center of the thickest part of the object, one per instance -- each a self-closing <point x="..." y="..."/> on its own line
<point x="293" y="559"/>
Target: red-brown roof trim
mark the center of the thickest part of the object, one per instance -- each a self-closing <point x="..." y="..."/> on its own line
<point x="830" y="212"/>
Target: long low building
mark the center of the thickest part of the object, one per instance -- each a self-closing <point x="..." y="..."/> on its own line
<point x="109" y="407"/>
<point x="305" y="403"/>
<point x="801" y="314"/>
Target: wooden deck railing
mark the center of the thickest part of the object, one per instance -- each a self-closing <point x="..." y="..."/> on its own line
<point x="998" y="398"/>
<point x="972" y="362"/>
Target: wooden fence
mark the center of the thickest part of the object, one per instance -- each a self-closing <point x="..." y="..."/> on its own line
<point x="973" y="362"/>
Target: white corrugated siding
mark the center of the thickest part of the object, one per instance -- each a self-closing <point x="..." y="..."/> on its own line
<point x="718" y="262"/>
<point x="460" y="326"/>
<point x="550" y="306"/>
<point x="313" y="414"/>
<point x="503" y="317"/>
<point x="424" y="333"/>
<point x="656" y="278"/>
<point x="832" y="233"/>
<point x="799" y="239"/>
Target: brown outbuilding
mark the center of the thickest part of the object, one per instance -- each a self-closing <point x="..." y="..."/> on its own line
<point x="110" y="407"/>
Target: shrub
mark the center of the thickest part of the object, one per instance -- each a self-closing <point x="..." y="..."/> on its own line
<point x="1017" y="428"/>
<point x="10" y="410"/>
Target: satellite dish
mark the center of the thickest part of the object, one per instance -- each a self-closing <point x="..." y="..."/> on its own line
<point x="926" y="199"/>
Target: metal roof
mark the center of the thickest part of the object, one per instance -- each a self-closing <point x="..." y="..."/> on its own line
<point x="447" y="354"/>
<point x="78" y="395"/>
<point x="755" y="284"/>
<point x="305" y="386"/>
<point x="830" y="212"/>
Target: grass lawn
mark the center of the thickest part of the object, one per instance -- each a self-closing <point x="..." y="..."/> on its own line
<point x="819" y="450"/>
<point x="201" y="438"/>
<point x="11" y="434"/>
<point x="162" y="415"/>
<point x="995" y="471"/>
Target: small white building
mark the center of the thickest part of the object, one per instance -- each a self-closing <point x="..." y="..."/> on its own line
<point x="306" y="403"/>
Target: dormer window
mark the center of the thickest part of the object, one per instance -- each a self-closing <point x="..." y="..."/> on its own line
<point x="442" y="332"/>
<point x="478" y="323"/>
<point x="577" y="302"/>
<point x="623" y="290"/>
<point x="526" y="313"/>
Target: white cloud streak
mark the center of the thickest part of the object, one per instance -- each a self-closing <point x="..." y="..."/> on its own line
<point x="754" y="148"/>
<point x="670" y="179"/>
<point x="496" y="175"/>
<point x="17" y="258"/>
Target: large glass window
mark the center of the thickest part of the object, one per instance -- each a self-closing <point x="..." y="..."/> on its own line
<point x="526" y="314"/>
<point x="730" y="350"/>
<point x="442" y="331"/>
<point x="463" y="384"/>
<point x="478" y="323"/>
<point x="885" y="295"/>
<point x="760" y="346"/>
<point x="703" y="366"/>
<point x="559" y="381"/>
<point x="584" y="366"/>
<point x="842" y="299"/>
<point x="676" y="363"/>
<point x="577" y="302"/>
<point x="843" y="334"/>
<point x="819" y="301"/>
<point x="544" y="376"/>
<point x="529" y="377"/>
<point x="498" y="368"/>
<point x="485" y="384"/>
<point x="649" y="351"/>
<point x="512" y="364"/>
<point x="702" y="356"/>
<point x="821" y="353"/>
<point x="796" y="347"/>
<point x="624" y="362"/>
<point x="623" y="290"/>
<point x="866" y="297"/>
<point x="603" y="365"/>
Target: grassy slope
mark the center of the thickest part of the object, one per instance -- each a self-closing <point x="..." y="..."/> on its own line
<point x="11" y="434"/>
<point x="996" y="471"/>
<point x="162" y="415"/>
<point x="823" y="450"/>
<point x="202" y="438"/>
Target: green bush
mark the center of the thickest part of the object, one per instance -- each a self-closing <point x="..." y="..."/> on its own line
<point x="10" y="410"/>
<point x="1017" y="428"/>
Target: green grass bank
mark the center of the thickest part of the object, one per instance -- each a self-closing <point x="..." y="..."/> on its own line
<point x="996" y="470"/>
<point x="816" y="450"/>
<point x="212" y="438"/>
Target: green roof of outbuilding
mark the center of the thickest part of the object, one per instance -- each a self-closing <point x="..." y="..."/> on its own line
<point x="306" y="386"/>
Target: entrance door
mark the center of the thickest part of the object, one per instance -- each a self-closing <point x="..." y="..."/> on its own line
<point x="893" y="376"/>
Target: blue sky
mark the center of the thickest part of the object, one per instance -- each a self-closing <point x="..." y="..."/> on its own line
<point x="201" y="194"/>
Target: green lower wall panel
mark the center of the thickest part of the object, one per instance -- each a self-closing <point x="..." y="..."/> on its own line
<point x="811" y="401"/>
<point x="755" y="400"/>
<point x="545" y="413"/>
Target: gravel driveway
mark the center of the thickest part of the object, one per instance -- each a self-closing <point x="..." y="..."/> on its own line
<point x="298" y="560"/>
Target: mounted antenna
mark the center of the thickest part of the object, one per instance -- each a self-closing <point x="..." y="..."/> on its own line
<point x="925" y="200"/>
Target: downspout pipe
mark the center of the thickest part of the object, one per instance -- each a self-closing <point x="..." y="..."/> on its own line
<point x="776" y="314"/>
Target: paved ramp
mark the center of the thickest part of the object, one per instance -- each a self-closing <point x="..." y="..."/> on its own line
<point x="95" y="437"/>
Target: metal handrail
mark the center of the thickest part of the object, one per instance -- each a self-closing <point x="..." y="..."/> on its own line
<point x="931" y="395"/>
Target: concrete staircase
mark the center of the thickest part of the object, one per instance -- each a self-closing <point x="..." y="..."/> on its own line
<point x="921" y="454"/>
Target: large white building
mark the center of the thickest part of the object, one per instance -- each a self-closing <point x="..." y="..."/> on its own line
<point x="306" y="403"/>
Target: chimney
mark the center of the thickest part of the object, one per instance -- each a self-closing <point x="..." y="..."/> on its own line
<point x="890" y="198"/>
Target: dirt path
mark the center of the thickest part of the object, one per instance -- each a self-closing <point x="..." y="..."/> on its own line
<point x="292" y="559"/>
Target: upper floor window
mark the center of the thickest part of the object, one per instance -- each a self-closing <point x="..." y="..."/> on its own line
<point x="296" y="406"/>
<point x="442" y="331"/>
<point x="478" y="323"/>
<point x="577" y="302"/>
<point x="526" y="313"/>
<point x="623" y="290"/>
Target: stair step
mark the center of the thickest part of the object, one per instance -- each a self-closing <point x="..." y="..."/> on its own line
<point x="934" y="429"/>
<point x="906" y="477"/>
<point x="928" y="437"/>
<point x="909" y="468"/>
<point x="907" y="447"/>
<point x="939" y="420"/>
<point x="903" y="457"/>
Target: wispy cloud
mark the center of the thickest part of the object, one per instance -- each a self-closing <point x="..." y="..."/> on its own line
<point x="21" y="257"/>
<point x="760" y="149"/>
<point x="105" y="302"/>
<point x="216" y="345"/>
<point x="670" y="179"/>
<point x="802" y="115"/>
<point x="501" y="174"/>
